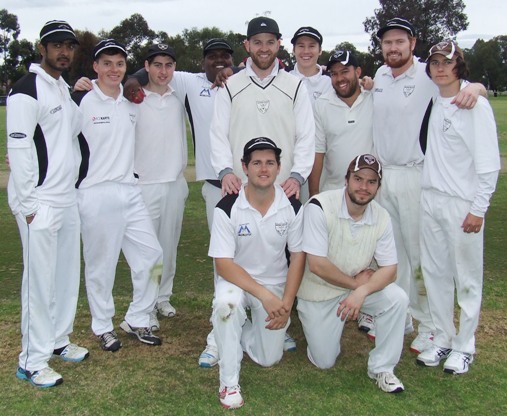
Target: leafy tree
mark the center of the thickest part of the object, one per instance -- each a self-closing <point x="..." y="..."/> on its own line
<point x="20" y="54"/>
<point x="487" y="63"/>
<point x="366" y="60"/>
<point x="83" y="58"/>
<point x="9" y="30"/>
<point x="434" y="21"/>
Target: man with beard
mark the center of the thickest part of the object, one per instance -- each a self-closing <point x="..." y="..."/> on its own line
<point x="344" y="231"/>
<point x="42" y="128"/>
<point x="343" y="124"/>
<point x="401" y="94"/>
<point x="263" y="101"/>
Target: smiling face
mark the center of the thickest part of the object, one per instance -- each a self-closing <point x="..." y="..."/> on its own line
<point x="397" y="47"/>
<point x="263" y="49"/>
<point x="110" y="69"/>
<point x="214" y="61"/>
<point x="262" y="169"/>
<point x="306" y="51"/>
<point x="160" y="70"/>
<point x="345" y="79"/>
<point x="362" y="186"/>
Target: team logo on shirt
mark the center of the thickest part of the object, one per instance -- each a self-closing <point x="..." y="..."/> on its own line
<point x="132" y="118"/>
<point x="378" y="90"/>
<point x="17" y="135"/>
<point x="244" y="231"/>
<point x="263" y="106"/>
<point x="101" y="120"/>
<point x="281" y="227"/>
<point x="56" y="109"/>
<point x="447" y="124"/>
<point x="408" y="90"/>
<point x="316" y="94"/>
<point x="205" y="92"/>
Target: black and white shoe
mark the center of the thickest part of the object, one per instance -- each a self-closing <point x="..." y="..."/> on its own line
<point x="145" y="335"/>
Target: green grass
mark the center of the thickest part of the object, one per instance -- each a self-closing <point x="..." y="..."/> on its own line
<point x="167" y="381"/>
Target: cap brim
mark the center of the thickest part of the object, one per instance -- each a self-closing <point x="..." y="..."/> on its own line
<point x="60" y="37"/>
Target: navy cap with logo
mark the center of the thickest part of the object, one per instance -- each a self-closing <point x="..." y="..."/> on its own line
<point x="307" y="31"/>
<point x="345" y="58"/>
<point x="262" y="24"/>
<point x="397" y="23"/>
<point x="216" y="43"/>
<point x="160" y="49"/>
<point x="366" y="161"/>
<point x="260" y="143"/>
<point x="108" y="44"/>
<point x="57" y="31"/>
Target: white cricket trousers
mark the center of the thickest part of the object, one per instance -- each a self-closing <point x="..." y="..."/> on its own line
<point x="323" y="328"/>
<point x="235" y="333"/>
<point x="400" y="195"/>
<point x="113" y="218"/>
<point x="166" y="204"/>
<point x="451" y="260"/>
<point x="212" y="196"/>
<point x="50" y="285"/>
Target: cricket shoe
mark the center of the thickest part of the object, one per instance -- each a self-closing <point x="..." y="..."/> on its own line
<point x="458" y="362"/>
<point x="230" y="397"/>
<point x="365" y="322"/>
<point x="47" y="377"/>
<point x="154" y="323"/>
<point x="387" y="382"/>
<point x="109" y="341"/>
<point x="209" y="357"/>
<point x="289" y="344"/>
<point x="432" y="356"/>
<point x="422" y="342"/>
<point x="72" y="353"/>
<point x="166" y="309"/>
<point x="142" y="334"/>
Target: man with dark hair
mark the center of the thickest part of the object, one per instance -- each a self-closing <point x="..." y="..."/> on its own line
<point x="252" y="233"/>
<point x="113" y="214"/>
<point x="42" y="126"/>
<point x="459" y="177"/>
<point x="344" y="231"/>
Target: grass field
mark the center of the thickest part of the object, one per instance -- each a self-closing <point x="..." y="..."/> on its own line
<point x="166" y="380"/>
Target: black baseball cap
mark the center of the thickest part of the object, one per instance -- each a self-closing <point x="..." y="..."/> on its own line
<point x="217" y="43"/>
<point x="108" y="44"/>
<point x="397" y="23"/>
<point x="262" y="24"/>
<point x="160" y="49"/>
<point x="366" y="161"/>
<point x="260" y="143"/>
<point x="57" y="31"/>
<point x="307" y="31"/>
<point x="345" y="58"/>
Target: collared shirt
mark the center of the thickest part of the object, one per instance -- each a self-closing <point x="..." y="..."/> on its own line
<point x="317" y="85"/>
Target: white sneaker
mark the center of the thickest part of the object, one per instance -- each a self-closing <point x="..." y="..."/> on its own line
<point x="72" y="353"/>
<point x="209" y="357"/>
<point x="230" y="397"/>
<point x="166" y="309"/>
<point x="458" y="362"/>
<point x="365" y="322"/>
<point x="47" y="377"/>
<point x="422" y="342"/>
<point x="432" y="356"/>
<point x="289" y="344"/>
<point x="154" y="323"/>
<point x="387" y="382"/>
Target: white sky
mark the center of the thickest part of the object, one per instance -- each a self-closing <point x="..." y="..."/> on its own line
<point x="337" y="20"/>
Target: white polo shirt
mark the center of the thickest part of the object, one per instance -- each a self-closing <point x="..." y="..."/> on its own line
<point x="161" y="139"/>
<point x="342" y="133"/>
<point x="107" y="139"/>
<point x="317" y="85"/>
<point x="316" y="233"/>
<point x="255" y="242"/>
<point x="399" y="107"/>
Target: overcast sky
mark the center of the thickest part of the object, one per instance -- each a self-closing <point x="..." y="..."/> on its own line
<point x="337" y="20"/>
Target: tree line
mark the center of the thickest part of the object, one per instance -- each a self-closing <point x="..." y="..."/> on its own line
<point x="435" y="20"/>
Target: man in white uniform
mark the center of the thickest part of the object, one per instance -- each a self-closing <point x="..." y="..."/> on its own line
<point x="459" y="177"/>
<point x="42" y="128"/>
<point x="160" y="161"/>
<point x="251" y="232"/>
<point x="114" y="217"/>
<point x="344" y="231"/>
<point x="401" y="94"/>
<point x="343" y="124"/>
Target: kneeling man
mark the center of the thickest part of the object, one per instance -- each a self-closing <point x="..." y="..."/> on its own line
<point x="345" y="230"/>
<point x="251" y="234"/>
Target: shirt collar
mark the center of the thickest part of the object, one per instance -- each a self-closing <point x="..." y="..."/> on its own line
<point x="367" y="218"/>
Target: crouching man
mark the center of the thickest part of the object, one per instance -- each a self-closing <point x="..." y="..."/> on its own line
<point x="344" y="231"/>
<point x="251" y="232"/>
